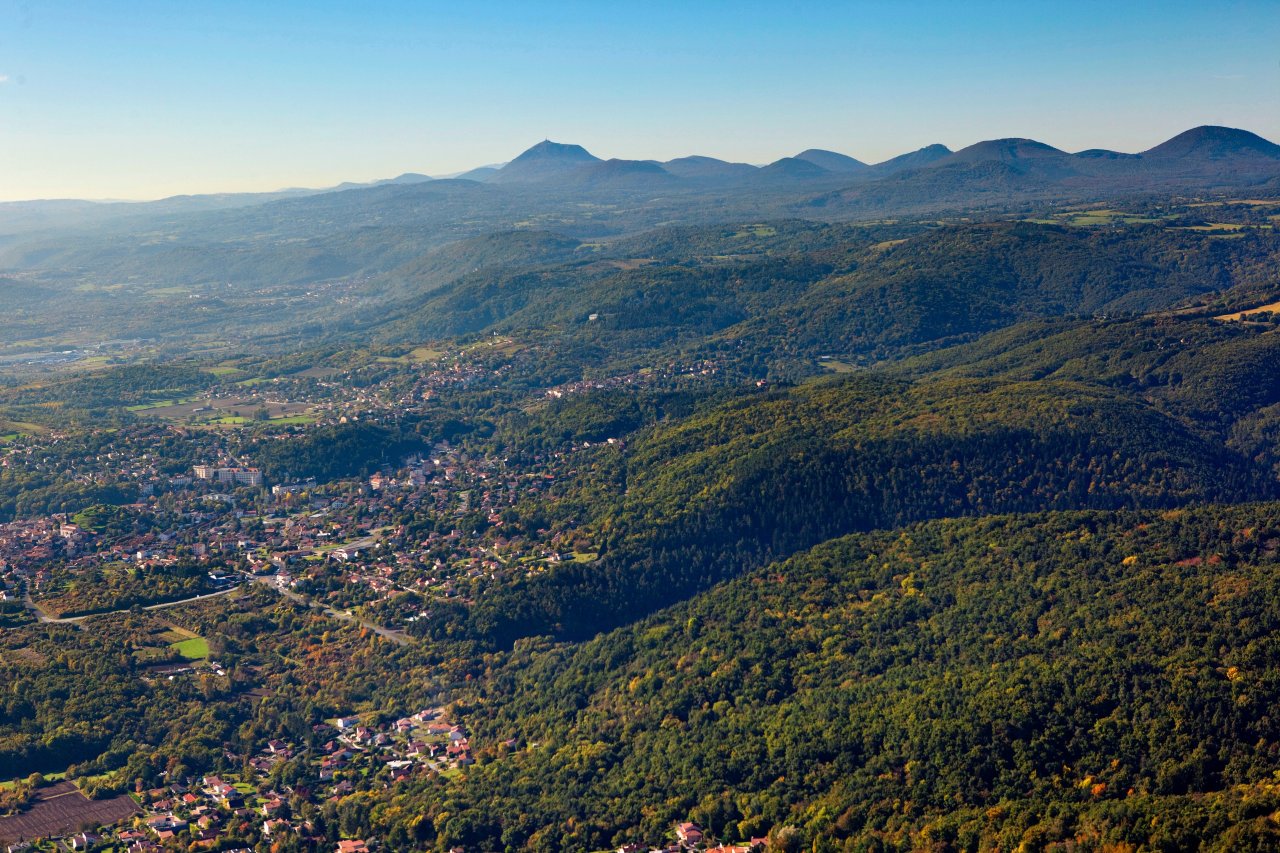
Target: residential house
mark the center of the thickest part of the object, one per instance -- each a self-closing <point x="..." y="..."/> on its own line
<point x="689" y="834"/>
<point x="353" y="846"/>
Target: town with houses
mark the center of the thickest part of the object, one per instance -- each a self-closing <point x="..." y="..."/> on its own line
<point x="342" y="542"/>
<point x="338" y="542"/>
<point x="380" y="550"/>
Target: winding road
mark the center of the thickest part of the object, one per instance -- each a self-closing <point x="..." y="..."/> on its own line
<point x="71" y="620"/>
<point x="397" y="637"/>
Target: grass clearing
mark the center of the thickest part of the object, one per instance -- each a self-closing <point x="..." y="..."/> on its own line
<point x="317" y="372"/>
<point x="503" y="345"/>
<point x="193" y="648"/>
<point x="426" y="354"/>
<point x="1095" y="217"/>
<point x="1215" y="226"/>
<point x="158" y="404"/>
<point x="234" y="411"/>
<point x="97" y="778"/>
<point x="175" y="633"/>
<point x="22" y="427"/>
<point x="757" y="230"/>
<point x="48" y="777"/>
<point x="1089" y="218"/>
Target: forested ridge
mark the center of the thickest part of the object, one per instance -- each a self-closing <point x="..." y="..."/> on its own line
<point x="960" y="684"/>
<point x="695" y="501"/>
<point x="804" y="291"/>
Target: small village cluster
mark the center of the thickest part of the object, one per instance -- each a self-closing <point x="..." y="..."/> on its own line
<point x="424" y="742"/>
<point x="246" y="805"/>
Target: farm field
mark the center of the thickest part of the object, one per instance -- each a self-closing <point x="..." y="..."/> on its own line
<point x="1090" y="218"/>
<point x="418" y="355"/>
<point x="225" y="370"/>
<point x="225" y="411"/>
<point x="1240" y="315"/>
<point x="61" y="809"/>
<point x="1252" y="202"/>
<point x="1221" y="227"/>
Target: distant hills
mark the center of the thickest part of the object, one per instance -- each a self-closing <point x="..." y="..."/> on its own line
<point x="543" y="162"/>
<point x="365" y="231"/>
<point x="831" y="161"/>
<point x="866" y="301"/>
<point x="1012" y="170"/>
<point x="1207" y="152"/>
<point x="911" y="160"/>
<point x="406" y="178"/>
<point x="1207" y="157"/>
<point x="1214" y="143"/>
<point x="553" y="161"/>
<point x="707" y="167"/>
<point x="1003" y="151"/>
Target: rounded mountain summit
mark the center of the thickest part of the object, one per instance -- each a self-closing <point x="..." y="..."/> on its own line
<point x="545" y="160"/>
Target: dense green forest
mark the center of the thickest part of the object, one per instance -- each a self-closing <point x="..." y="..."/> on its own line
<point x="23" y="495"/>
<point x="1061" y="677"/>
<point x="697" y="500"/>
<point x="326" y="453"/>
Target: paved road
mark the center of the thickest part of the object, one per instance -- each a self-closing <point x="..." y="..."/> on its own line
<point x="397" y="637"/>
<point x="66" y="620"/>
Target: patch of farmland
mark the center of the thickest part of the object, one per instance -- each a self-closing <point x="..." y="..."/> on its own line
<point x="1240" y="315"/>
<point x="61" y="810"/>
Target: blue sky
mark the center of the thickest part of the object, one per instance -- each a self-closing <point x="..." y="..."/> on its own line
<point x="142" y="99"/>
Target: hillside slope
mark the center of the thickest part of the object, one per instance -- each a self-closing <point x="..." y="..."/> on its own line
<point x="1060" y="678"/>
<point x="702" y="499"/>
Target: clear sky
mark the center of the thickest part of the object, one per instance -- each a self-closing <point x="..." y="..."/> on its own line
<point x="141" y="99"/>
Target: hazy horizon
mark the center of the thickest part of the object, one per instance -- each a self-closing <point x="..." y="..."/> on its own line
<point x="371" y="178"/>
<point x="142" y="100"/>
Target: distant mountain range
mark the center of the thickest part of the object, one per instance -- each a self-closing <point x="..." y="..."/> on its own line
<point x="1203" y="151"/>
<point x="559" y="162"/>
<point x="1200" y="158"/>
<point x="308" y="235"/>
